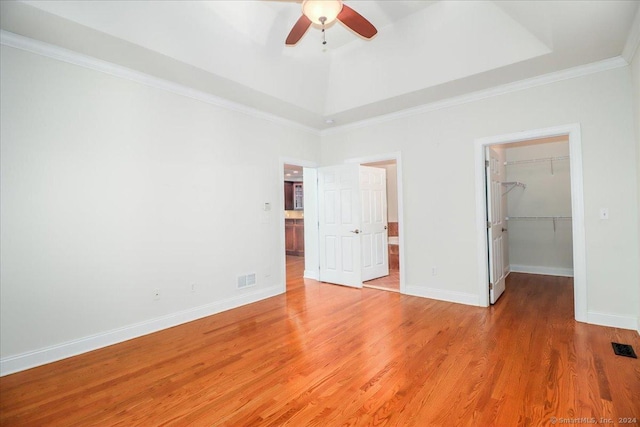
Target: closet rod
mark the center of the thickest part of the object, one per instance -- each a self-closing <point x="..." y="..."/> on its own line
<point x="555" y="219"/>
<point x="533" y="218"/>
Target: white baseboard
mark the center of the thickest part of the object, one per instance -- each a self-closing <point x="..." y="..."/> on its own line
<point x="311" y="274"/>
<point x="442" y="295"/>
<point x="548" y="271"/>
<point x="31" y="359"/>
<point x="612" y="320"/>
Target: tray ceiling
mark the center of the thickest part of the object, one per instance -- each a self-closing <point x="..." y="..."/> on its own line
<point x="425" y="51"/>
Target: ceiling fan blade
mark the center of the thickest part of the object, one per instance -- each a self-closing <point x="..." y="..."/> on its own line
<point x="298" y="30"/>
<point x="356" y="22"/>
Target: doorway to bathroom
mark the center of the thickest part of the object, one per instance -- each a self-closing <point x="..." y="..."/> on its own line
<point x="390" y="282"/>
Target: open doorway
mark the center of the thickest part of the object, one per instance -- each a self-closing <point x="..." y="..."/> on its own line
<point x="313" y="210"/>
<point x="390" y="282"/>
<point x="392" y="162"/>
<point x="293" y="195"/>
<point x="296" y="218"/>
<point x="528" y="210"/>
<point x="572" y="134"/>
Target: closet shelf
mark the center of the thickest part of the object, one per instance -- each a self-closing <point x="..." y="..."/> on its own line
<point x="544" y="159"/>
<point x="513" y="184"/>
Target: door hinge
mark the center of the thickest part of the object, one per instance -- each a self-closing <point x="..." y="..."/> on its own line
<point x="486" y="163"/>
<point x="488" y="225"/>
<point x="490" y="286"/>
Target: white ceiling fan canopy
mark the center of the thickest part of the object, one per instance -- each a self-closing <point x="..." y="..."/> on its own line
<point x="315" y="10"/>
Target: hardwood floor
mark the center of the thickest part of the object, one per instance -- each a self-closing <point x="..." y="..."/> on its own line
<point x="387" y="283"/>
<point x="325" y="355"/>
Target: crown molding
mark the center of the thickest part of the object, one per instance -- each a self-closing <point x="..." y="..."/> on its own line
<point x="61" y="54"/>
<point x="633" y="39"/>
<point x="51" y="51"/>
<point x="570" y="73"/>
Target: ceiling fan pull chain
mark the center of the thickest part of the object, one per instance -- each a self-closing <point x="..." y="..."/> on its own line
<point x="323" y="20"/>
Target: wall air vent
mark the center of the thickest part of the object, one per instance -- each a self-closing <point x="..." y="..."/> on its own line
<point x="246" y="280"/>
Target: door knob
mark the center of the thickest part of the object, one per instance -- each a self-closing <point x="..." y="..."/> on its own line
<point x="504" y="229"/>
<point x="356" y="231"/>
<point x="385" y="227"/>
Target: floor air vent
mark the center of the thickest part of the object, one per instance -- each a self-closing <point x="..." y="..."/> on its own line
<point x="247" y="280"/>
<point x="623" y="350"/>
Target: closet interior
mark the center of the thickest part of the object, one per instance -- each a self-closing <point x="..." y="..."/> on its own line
<point x="537" y="189"/>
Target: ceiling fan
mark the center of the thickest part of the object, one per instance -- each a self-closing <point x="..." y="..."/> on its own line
<point x="324" y="12"/>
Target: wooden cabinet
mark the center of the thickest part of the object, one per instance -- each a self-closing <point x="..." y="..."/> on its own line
<point x="298" y="200"/>
<point x="288" y="196"/>
<point x="294" y="237"/>
<point x="293" y="196"/>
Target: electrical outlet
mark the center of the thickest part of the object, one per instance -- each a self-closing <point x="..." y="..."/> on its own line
<point x="193" y="287"/>
<point x="434" y="271"/>
<point x="156" y="294"/>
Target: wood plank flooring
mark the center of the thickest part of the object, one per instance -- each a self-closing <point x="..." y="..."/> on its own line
<point x="387" y="283"/>
<point x="325" y="355"/>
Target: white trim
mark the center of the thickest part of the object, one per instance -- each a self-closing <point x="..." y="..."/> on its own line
<point x="442" y="295"/>
<point x="577" y="210"/>
<point x="380" y="288"/>
<point x="50" y="51"/>
<point x="397" y="156"/>
<point x="311" y="274"/>
<point x="612" y="320"/>
<point x="633" y="39"/>
<point x="570" y="73"/>
<point x="537" y="269"/>
<point x="20" y="362"/>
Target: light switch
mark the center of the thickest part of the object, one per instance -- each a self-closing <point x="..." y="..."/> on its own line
<point x="604" y="213"/>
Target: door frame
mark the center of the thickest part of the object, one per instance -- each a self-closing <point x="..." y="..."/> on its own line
<point x="577" y="209"/>
<point x="397" y="156"/>
<point x="281" y="162"/>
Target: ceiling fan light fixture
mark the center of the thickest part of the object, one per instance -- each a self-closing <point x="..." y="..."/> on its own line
<point x="317" y="9"/>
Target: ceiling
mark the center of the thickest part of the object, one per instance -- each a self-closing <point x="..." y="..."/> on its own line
<point x="292" y="172"/>
<point x="425" y="51"/>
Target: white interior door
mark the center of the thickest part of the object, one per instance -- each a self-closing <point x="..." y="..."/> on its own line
<point x="339" y="226"/>
<point x="506" y="266"/>
<point x="374" y="236"/>
<point x="495" y="225"/>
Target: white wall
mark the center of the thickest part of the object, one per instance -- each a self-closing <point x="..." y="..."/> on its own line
<point x="111" y="189"/>
<point x="534" y="246"/>
<point x="635" y="77"/>
<point x="439" y="193"/>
